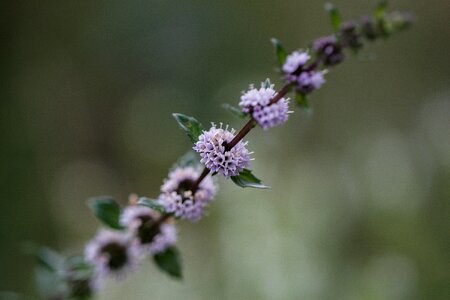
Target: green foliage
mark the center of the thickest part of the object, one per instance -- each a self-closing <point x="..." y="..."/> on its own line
<point x="190" y="125"/>
<point x="152" y="203"/>
<point x="107" y="210"/>
<point x="169" y="261"/>
<point x="235" y="111"/>
<point x="189" y="159"/>
<point x="280" y="52"/>
<point x="247" y="179"/>
<point x="303" y="102"/>
<point x="335" y="16"/>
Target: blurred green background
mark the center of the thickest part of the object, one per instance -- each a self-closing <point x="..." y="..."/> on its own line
<point x="359" y="206"/>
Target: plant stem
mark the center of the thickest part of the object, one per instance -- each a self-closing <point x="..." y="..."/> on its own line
<point x="199" y="180"/>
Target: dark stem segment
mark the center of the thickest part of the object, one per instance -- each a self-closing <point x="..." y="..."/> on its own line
<point x="199" y="180"/>
<point x="241" y="134"/>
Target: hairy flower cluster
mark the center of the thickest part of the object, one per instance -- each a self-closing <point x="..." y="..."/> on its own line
<point x="328" y="50"/>
<point x="257" y="102"/>
<point x="177" y="196"/>
<point x="305" y="78"/>
<point x="295" y="60"/>
<point x="211" y="147"/>
<point x="112" y="253"/>
<point x="142" y="223"/>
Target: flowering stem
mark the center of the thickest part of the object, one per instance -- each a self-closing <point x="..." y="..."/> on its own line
<point x="241" y="134"/>
<point x="199" y="180"/>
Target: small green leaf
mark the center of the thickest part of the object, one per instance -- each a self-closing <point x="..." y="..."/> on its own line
<point x="189" y="159"/>
<point x="380" y="10"/>
<point x="152" y="203"/>
<point x="247" y="179"/>
<point x="303" y="101"/>
<point x="335" y="16"/>
<point x="280" y="52"/>
<point x="46" y="258"/>
<point x="267" y="84"/>
<point x="190" y="125"/>
<point x="169" y="261"/>
<point x="106" y="210"/>
<point x="236" y="111"/>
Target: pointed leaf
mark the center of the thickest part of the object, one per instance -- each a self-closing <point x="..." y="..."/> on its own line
<point x="107" y="211"/>
<point x="152" y="203"/>
<point x="303" y="102"/>
<point x="247" y="179"/>
<point x="169" y="261"/>
<point x="189" y="159"/>
<point x="280" y="52"/>
<point x="335" y="16"/>
<point x="46" y="258"/>
<point x="190" y="125"/>
<point x="236" y="111"/>
<point x="267" y="84"/>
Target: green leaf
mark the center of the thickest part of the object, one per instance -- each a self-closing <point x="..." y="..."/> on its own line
<point x="280" y="52"/>
<point x="169" y="261"/>
<point x="236" y="111"/>
<point x="152" y="203"/>
<point x="189" y="159"/>
<point x="303" y="102"/>
<point x="190" y="125"/>
<point x="380" y="10"/>
<point x="267" y="84"/>
<point x="335" y="16"/>
<point x="106" y="210"/>
<point x="247" y="179"/>
<point x="46" y="258"/>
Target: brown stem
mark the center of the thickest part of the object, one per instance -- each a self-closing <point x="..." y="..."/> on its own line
<point x="199" y="180"/>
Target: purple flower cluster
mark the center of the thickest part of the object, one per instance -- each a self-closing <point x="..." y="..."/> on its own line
<point x="305" y="77"/>
<point x="309" y="81"/>
<point x="151" y="237"/>
<point x="211" y="147"/>
<point x="112" y="254"/>
<point x="257" y="102"/>
<point x="177" y="196"/>
<point x="328" y="50"/>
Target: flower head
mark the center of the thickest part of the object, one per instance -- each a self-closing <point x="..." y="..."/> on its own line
<point x="182" y="206"/>
<point x="328" y="50"/>
<point x="112" y="253"/>
<point x="181" y="180"/>
<point x="256" y="97"/>
<point x="350" y="36"/>
<point x="257" y="102"/>
<point x="177" y="196"/>
<point x="309" y="81"/>
<point x="295" y="60"/>
<point x="142" y="223"/>
<point x="211" y="147"/>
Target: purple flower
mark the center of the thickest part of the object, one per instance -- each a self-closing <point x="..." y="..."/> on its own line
<point x="181" y="180"/>
<point x="211" y="147"/>
<point x="177" y="197"/>
<point x="257" y="102"/>
<point x="350" y="36"/>
<point x="141" y="223"/>
<point x="272" y="115"/>
<point x="112" y="253"/>
<point x="309" y="81"/>
<point x="256" y="97"/>
<point x="328" y="50"/>
<point x="294" y="61"/>
<point x="182" y="206"/>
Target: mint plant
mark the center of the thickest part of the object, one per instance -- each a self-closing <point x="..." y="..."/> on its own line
<point x="147" y="226"/>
